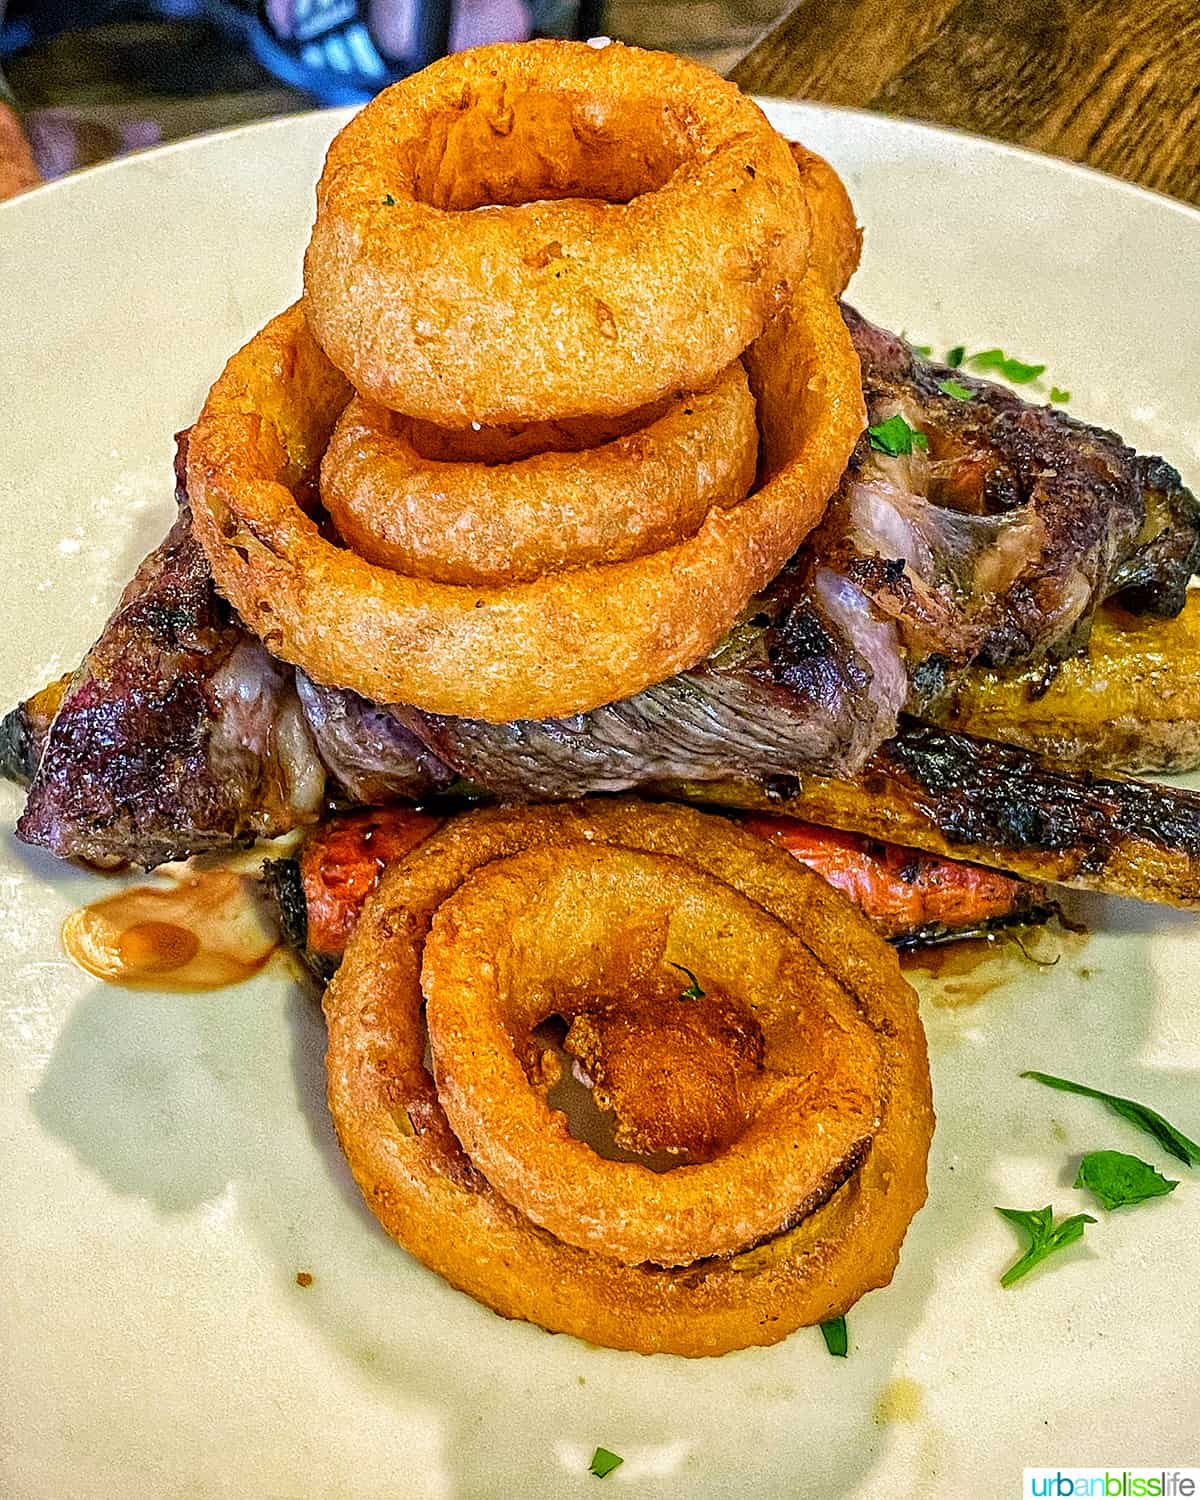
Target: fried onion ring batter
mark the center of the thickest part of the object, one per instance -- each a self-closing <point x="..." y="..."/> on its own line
<point x="430" y="1195"/>
<point x="836" y="237"/>
<point x="538" y="934"/>
<point x="496" y="523"/>
<point x="550" y="230"/>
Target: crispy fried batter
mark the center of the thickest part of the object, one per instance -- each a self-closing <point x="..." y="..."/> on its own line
<point x="675" y="1073"/>
<point x="511" y="522"/>
<point x="532" y="935"/>
<point x="562" y="644"/>
<point x="836" y="237"/>
<point x="428" y="1194"/>
<point x="550" y="230"/>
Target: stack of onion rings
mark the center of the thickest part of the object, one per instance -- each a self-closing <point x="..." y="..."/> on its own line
<point x="777" y="1269"/>
<point x="564" y="643"/>
<point x="590" y="530"/>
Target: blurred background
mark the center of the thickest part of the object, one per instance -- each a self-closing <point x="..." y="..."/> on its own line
<point x="91" y="79"/>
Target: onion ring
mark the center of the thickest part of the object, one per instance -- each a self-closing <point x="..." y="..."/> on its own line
<point x="475" y="523"/>
<point x="836" y="238"/>
<point x="536" y="935"/>
<point x="429" y="1195"/>
<point x="560" y="645"/>
<point x="549" y="230"/>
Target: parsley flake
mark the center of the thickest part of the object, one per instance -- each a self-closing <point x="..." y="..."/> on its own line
<point x="1118" y="1179"/>
<point x="955" y="356"/>
<point x="693" y="991"/>
<point x="1045" y="1237"/>
<point x="603" y="1463"/>
<point x="1137" y="1114"/>
<point x="388" y="201"/>
<point x="1060" y="396"/>
<point x="895" y="437"/>
<point x="834" y="1332"/>
<point x="955" y="389"/>
<point x="1012" y="369"/>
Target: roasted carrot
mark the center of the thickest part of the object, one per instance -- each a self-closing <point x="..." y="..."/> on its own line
<point x="903" y="891"/>
<point x="321" y="892"/>
<point x="912" y="897"/>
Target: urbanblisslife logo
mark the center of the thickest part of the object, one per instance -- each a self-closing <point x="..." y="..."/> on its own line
<point x="1120" y="1484"/>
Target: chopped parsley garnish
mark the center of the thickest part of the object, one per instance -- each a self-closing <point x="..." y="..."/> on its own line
<point x="603" y="1463"/>
<point x="1012" y="369"/>
<point x="1060" y="396"/>
<point x="924" y="350"/>
<point x="1045" y="1237"/>
<point x="1137" y="1114"/>
<point x="835" y="1337"/>
<point x="955" y="356"/>
<point x="1118" y="1179"/>
<point x="388" y="201"/>
<point x="955" y="389"/>
<point x="895" y="437"/>
<point x="693" y="991"/>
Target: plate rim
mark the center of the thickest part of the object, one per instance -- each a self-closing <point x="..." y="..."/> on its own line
<point x="947" y="134"/>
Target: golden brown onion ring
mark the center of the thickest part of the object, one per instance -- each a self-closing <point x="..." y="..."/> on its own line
<point x="548" y="230"/>
<point x="496" y="523"/>
<point x="836" y="238"/>
<point x="430" y="1197"/>
<point x="539" y="935"/>
<point x="560" y="645"/>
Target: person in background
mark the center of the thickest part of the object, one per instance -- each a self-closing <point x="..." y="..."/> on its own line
<point x="338" y="51"/>
<point x="344" y="51"/>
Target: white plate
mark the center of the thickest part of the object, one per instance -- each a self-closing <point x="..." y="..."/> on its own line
<point x="168" y="1162"/>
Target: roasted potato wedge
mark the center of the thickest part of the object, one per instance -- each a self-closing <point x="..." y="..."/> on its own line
<point x="1130" y="703"/>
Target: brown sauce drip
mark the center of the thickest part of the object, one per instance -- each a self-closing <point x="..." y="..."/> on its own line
<point x="962" y="973"/>
<point x="206" y="929"/>
<point x="968" y="971"/>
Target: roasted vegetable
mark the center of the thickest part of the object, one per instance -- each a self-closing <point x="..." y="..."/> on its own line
<point x="911" y="898"/>
<point x="23" y="731"/>
<point x="320" y="890"/>
<point x="972" y="799"/>
<point x="1130" y="703"/>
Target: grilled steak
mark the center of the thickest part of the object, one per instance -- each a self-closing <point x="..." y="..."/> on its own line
<point x="1014" y="522"/>
<point x="179" y="733"/>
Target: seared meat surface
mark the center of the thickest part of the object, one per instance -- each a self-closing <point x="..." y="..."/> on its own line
<point x="177" y="734"/>
<point x="368" y="750"/>
<point x="995" y="539"/>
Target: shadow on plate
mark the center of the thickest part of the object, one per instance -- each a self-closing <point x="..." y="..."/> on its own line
<point x="170" y="1098"/>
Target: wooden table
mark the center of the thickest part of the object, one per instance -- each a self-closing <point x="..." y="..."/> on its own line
<point x="1107" y="82"/>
